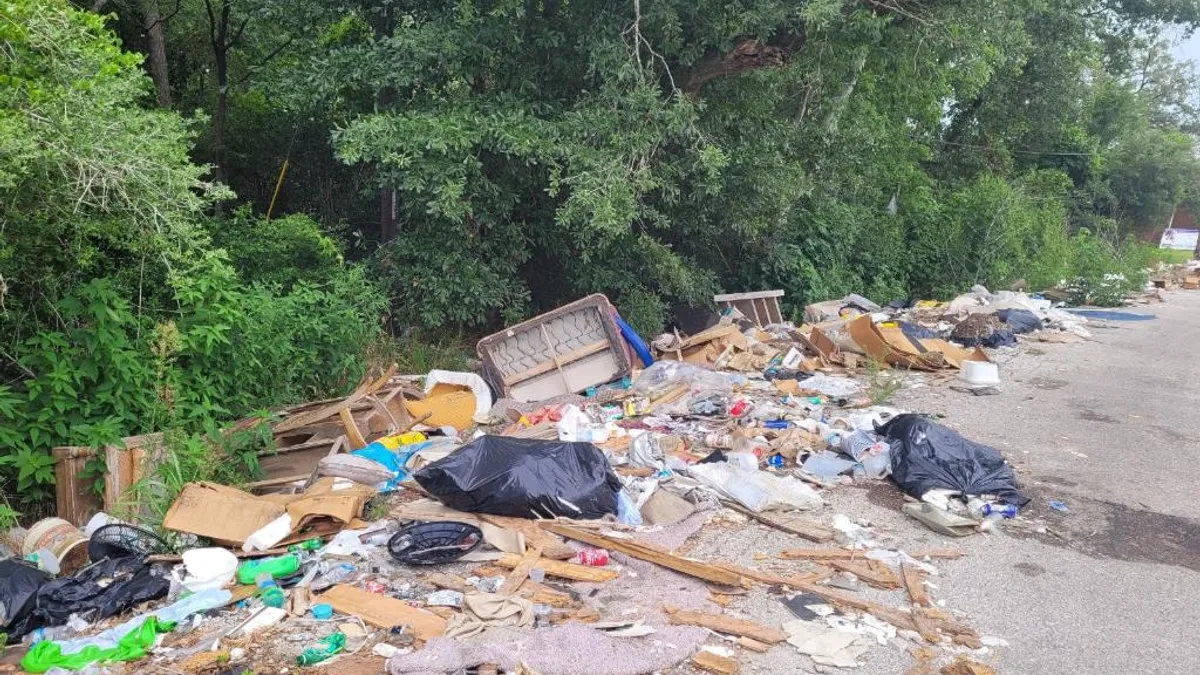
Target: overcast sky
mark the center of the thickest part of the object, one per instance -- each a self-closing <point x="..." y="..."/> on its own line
<point x="1189" y="48"/>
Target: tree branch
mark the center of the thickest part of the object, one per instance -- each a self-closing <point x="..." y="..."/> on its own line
<point x="237" y="34"/>
<point x="749" y="54"/>
<point x="274" y="52"/>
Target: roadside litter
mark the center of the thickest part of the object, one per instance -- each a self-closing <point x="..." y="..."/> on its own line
<point x="540" y="508"/>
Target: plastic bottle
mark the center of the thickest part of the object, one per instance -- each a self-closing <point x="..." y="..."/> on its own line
<point x="308" y="546"/>
<point x="592" y="557"/>
<point x="278" y="567"/>
<point x="327" y="577"/>
<point x="327" y="647"/>
<point x="269" y="591"/>
<point x="1004" y="510"/>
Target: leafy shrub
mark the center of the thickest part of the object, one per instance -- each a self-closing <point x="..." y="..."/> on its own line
<point x="228" y="350"/>
<point x="1103" y="274"/>
<point x="282" y="251"/>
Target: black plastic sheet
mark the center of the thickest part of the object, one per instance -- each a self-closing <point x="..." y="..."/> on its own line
<point x="927" y="456"/>
<point x="98" y="591"/>
<point x="1020" y="321"/>
<point x="524" y="478"/>
<point x="19" y="584"/>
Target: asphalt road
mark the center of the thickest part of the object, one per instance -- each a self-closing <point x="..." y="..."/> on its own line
<point x="1112" y="428"/>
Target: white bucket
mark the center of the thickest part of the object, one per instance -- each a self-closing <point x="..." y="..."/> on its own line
<point x="980" y="373"/>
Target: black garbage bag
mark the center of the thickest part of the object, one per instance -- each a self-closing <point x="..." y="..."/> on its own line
<point x="524" y="478"/>
<point x="19" y="584"/>
<point x="99" y="591"/>
<point x="1020" y="321"/>
<point x="927" y="456"/>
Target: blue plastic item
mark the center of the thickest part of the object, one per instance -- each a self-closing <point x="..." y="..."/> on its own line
<point x="1110" y="315"/>
<point x="394" y="460"/>
<point x="322" y="611"/>
<point x="635" y="341"/>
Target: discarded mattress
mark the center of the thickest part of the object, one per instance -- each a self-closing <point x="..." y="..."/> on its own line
<point x="563" y="351"/>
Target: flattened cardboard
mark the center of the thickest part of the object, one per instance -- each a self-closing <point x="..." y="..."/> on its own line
<point x="230" y="516"/>
<point x="870" y="340"/>
<point x="219" y="512"/>
<point x="384" y="612"/>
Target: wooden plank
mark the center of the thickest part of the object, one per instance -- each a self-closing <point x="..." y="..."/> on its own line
<point x="450" y="582"/>
<point x="752" y="645"/>
<point x="563" y="570"/>
<point x="384" y="612"/>
<point x="914" y="581"/>
<point x="641" y="551"/>
<point x="520" y="573"/>
<point x="713" y="663"/>
<point x="821" y="554"/>
<point x="753" y="295"/>
<point x="965" y="666"/>
<point x="797" y="526"/>
<point x="768" y="578"/>
<point x="847" y="554"/>
<point x="541" y="594"/>
<point x="357" y="442"/>
<point x="726" y="624"/>
<point x="885" y="578"/>
<point x="925" y="627"/>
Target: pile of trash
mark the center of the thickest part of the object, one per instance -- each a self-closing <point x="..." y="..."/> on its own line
<point x="510" y="519"/>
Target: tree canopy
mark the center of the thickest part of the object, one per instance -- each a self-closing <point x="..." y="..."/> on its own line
<point x="214" y="205"/>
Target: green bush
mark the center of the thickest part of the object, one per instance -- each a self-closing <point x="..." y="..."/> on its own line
<point x="282" y="251"/>
<point x="1102" y="274"/>
<point x="226" y="351"/>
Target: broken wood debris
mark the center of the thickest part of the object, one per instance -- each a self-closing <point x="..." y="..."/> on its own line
<point x="648" y="553"/>
<point x="727" y="625"/>
<point x="714" y="663"/>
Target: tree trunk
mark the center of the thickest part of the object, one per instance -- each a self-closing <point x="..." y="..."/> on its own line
<point x="157" y="47"/>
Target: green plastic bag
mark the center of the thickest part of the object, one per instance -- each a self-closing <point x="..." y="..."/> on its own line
<point x="48" y="654"/>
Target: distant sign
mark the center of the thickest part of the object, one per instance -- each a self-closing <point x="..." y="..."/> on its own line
<point x="1180" y="240"/>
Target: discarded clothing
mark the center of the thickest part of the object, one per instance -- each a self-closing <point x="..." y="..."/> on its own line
<point x="524" y="478"/>
<point x="488" y="610"/>
<point x="927" y="456"/>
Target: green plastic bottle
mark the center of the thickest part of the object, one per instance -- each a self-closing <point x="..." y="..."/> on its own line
<point x="278" y="567"/>
<point x="327" y="647"/>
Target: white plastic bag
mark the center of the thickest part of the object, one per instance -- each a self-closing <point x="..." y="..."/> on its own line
<point x="756" y="490"/>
